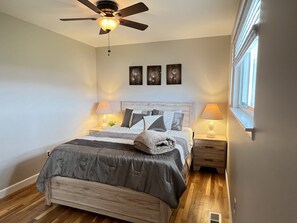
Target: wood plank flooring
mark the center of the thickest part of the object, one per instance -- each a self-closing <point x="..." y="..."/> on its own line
<point x="206" y="191"/>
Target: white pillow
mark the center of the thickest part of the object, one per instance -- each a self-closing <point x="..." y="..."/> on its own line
<point x="154" y="122"/>
<point x="168" y="119"/>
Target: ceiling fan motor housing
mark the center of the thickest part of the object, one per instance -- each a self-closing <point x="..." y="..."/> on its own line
<point x="108" y="7"/>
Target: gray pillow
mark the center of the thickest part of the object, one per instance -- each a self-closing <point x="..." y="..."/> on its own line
<point x="157" y="112"/>
<point x="136" y="118"/>
<point x="127" y="117"/>
<point x="177" y="123"/>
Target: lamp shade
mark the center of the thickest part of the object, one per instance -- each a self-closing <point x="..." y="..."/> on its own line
<point x="212" y="112"/>
<point x="104" y="108"/>
<point x="108" y="23"/>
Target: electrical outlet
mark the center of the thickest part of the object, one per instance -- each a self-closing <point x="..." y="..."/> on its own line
<point x="234" y="205"/>
<point x="47" y="153"/>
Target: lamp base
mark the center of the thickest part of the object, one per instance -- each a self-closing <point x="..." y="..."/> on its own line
<point x="211" y="134"/>
<point x="104" y="124"/>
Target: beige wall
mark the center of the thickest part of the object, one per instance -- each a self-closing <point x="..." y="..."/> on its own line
<point x="47" y="93"/>
<point x="262" y="173"/>
<point x="205" y="70"/>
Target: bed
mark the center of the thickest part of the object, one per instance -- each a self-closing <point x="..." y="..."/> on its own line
<point x="126" y="202"/>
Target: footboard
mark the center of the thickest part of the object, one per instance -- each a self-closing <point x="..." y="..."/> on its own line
<point x="118" y="202"/>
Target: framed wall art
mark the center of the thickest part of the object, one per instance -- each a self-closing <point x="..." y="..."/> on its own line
<point x="173" y="74"/>
<point x="135" y="75"/>
<point x="154" y="75"/>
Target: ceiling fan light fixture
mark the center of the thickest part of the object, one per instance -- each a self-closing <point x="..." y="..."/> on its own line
<point x="108" y="23"/>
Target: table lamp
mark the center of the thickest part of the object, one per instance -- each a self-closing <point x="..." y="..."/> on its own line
<point x="104" y="109"/>
<point x="211" y="112"/>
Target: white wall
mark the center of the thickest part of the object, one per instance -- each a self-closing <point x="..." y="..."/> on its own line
<point x="262" y="173"/>
<point x="47" y="95"/>
<point x="205" y="70"/>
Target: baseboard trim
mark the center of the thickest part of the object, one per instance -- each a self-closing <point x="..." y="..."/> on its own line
<point x="229" y="198"/>
<point x="17" y="186"/>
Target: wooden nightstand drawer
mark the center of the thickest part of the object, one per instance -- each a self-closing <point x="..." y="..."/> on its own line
<point x="207" y="143"/>
<point x="209" y="149"/>
<point x="210" y="156"/>
<point x="209" y="160"/>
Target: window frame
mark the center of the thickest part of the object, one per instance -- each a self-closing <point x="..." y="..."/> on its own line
<point x="246" y="35"/>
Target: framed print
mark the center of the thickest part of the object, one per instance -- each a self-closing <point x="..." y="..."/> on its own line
<point x="174" y="74"/>
<point x="154" y="75"/>
<point x="135" y="75"/>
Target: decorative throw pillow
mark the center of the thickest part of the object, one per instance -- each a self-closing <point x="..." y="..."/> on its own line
<point x="154" y="122"/>
<point x="177" y="123"/>
<point x="127" y="117"/>
<point x="137" y="121"/>
<point x="145" y="112"/>
<point x="168" y="117"/>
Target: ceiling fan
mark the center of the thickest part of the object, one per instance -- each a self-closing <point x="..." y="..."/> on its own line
<point x="111" y="16"/>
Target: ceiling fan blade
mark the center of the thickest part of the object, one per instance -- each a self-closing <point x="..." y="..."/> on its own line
<point x="77" y="19"/>
<point x="132" y="24"/>
<point x="101" y="32"/>
<point x="90" y="5"/>
<point x="133" y="9"/>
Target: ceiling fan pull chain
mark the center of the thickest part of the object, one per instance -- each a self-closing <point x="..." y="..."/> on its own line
<point x="108" y="51"/>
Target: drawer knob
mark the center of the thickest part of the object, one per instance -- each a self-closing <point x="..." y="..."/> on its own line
<point x="210" y="160"/>
<point x="209" y="147"/>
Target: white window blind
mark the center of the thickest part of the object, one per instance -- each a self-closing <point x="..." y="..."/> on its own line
<point x="247" y="29"/>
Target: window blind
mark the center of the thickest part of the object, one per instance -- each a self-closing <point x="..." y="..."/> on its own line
<point x="247" y="28"/>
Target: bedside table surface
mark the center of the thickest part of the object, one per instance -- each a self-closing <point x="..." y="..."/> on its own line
<point x="95" y="129"/>
<point x="98" y="128"/>
<point x="204" y="137"/>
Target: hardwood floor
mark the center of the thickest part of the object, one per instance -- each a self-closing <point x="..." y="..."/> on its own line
<point x="206" y="191"/>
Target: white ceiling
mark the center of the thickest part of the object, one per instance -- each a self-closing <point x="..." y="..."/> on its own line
<point x="167" y="19"/>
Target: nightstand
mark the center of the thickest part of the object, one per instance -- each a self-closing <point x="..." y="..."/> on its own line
<point x="95" y="129"/>
<point x="210" y="152"/>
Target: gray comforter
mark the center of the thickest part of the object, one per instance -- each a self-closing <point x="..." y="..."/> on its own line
<point x="119" y="165"/>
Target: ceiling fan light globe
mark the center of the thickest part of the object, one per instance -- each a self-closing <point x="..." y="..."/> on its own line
<point x="108" y="23"/>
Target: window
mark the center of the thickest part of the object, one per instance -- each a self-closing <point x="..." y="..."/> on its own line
<point x="245" y="54"/>
<point x="246" y="71"/>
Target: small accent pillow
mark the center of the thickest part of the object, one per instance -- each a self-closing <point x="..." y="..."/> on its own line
<point x="127" y="117"/>
<point x="154" y="122"/>
<point x="169" y="117"/>
<point x="145" y="112"/>
<point x="137" y="121"/>
<point x="177" y="123"/>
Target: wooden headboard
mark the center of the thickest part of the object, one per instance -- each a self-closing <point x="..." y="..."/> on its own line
<point x="186" y="107"/>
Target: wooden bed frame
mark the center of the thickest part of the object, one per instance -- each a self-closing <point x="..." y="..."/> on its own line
<point x="118" y="202"/>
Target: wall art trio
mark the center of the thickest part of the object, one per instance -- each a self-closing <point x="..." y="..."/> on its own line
<point x="173" y="74"/>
